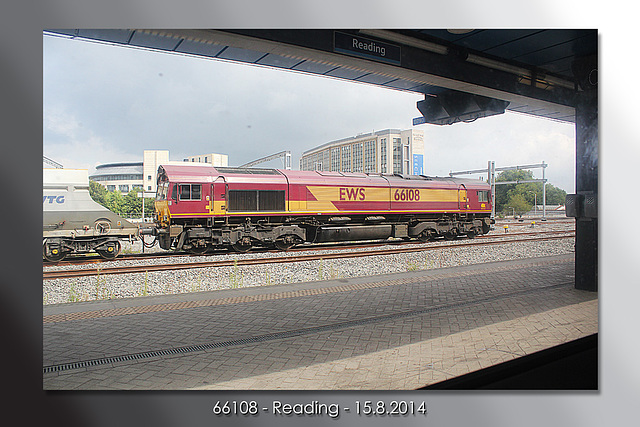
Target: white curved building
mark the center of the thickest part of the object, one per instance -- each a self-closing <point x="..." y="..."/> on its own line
<point x="124" y="176"/>
<point x="129" y="176"/>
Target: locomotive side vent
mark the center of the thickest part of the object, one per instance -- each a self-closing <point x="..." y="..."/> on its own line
<point x="243" y="200"/>
<point x="269" y="200"/>
<point x="256" y="200"/>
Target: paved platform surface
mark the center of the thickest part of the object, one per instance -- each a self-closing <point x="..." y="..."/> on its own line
<point x="392" y="332"/>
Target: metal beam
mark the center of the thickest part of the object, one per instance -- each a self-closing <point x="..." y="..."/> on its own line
<point x="506" y="168"/>
<point x="519" y="181"/>
<point x="491" y="179"/>
<point x="53" y="163"/>
<point x="284" y="155"/>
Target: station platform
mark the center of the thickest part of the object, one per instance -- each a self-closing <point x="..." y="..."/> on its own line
<point x="399" y="331"/>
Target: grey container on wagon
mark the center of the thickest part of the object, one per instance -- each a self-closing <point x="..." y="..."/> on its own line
<point x="72" y="222"/>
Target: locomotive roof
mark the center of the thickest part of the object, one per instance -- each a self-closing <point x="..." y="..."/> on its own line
<point x="207" y="173"/>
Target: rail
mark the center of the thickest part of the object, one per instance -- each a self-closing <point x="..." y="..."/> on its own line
<point x="58" y="274"/>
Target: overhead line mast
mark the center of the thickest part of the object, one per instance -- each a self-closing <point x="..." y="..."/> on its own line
<point x="491" y="175"/>
<point x="284" y="155"/>
<point x="53" y="163"/>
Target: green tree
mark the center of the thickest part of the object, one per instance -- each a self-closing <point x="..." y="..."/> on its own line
<point x="555" y="195"/>
<point x="517" y="205"/>
<point x="98" y="193"/>
<point x="149" y="206"/>
<point x="530" y="191"/>
<point x="132" y="204"/>
<point x="115" y="202"/>
<point x="135" y="201"/>
<point x="506" y="191"/>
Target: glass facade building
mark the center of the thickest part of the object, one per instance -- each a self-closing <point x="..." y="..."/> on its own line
<point x="387" y="151"/>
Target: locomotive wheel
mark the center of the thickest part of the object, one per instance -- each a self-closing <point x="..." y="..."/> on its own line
<point x="111" y="252"/>
<point x="55" y="255"/>
<point x="239" y="247"/>
<point x="242" y="245"/>
<point x="283" y="246"/>
<point x="449" y="235"/>
<point x="285" y="243"/>
<point x="471" y="234"/>
<point x="426" y="236"/>
<point x="198" y="250"/>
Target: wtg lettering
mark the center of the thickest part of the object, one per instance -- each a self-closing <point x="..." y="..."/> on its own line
<point x="51" y="199"/>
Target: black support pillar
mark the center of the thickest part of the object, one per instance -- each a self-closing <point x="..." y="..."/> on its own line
<point x="587" y="189"/>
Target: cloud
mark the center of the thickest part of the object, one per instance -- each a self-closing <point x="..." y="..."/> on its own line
<point x="120" y="101"/>
<point x="75" y="146"/>
<point x="58" y="122"/>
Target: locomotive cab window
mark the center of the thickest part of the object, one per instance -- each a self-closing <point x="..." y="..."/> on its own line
<point x="483" y="196"/>
<point x="174" y="192"/>
<point x="190" y="191"/>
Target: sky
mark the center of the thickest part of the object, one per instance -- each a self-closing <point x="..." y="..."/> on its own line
<point x="105" y="103"/>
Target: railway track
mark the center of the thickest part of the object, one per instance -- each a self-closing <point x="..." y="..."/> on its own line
<point x="406" y="248"/>
<point x="95" y="259"/>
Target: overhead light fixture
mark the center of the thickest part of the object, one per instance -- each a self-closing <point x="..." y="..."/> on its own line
<point x="451" y="106"/>
<point x="470" y="57"/>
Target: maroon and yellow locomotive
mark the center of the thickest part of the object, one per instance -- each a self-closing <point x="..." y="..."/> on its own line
<point x="201" y="206"/>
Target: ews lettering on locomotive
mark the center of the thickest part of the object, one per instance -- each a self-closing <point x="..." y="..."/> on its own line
<point x="349" y="193"/>
<point x="51" y="199"/>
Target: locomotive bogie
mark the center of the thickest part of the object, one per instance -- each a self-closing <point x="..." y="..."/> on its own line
<point x="197" y="239"/>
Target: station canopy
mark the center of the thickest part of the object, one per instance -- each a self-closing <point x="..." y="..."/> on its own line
<point x="464" y="74"/>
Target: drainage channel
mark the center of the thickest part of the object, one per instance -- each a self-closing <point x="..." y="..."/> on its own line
<point x="286" y="334"/>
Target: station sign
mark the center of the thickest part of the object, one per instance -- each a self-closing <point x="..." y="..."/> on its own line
<point x="418" y="164"/>
<point x="366" y="48"/>
<point x="419" y="121"/>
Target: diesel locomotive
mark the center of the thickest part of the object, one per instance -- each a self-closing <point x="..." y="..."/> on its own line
<point x="200" y="206"/>
<point x="73" y="223"/>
